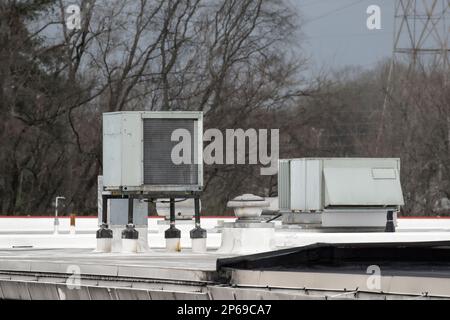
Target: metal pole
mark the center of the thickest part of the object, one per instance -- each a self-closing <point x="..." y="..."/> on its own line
<point x="198" y="235"/>
<point x="197" y="211"/>
<point x="104" y="209"/>
<point x="172" y="212"/>
<point x="130" y="235"/>
<point x="130" y="209"/>
<point x="172" y="235"/>
<point x="390" y="226"/>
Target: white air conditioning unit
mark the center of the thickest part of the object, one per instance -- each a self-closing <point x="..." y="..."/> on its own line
<point x="346" y="191"/>
<point x="138" y="147"/>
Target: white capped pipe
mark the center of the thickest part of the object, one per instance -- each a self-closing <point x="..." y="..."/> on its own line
<point x="104" y="245"/>
<point x="72" y="224"/>
<point x="199" y="245"/>
<point x="173" y="245"/>
<point x="129" y="245"/>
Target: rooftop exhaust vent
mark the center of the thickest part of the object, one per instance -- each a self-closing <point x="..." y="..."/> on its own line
<point x="348" y="192"/>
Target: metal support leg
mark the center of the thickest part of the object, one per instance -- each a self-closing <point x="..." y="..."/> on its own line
<point x="390" y="226"/>
<point x="172" y="232"/>
<point x="130" y="235"/>
<point x="130" y="210"/>
<point x="104" y="234"/>
<point x="172" y="213"/>
<point x="105" y="209"/>
<point x="173" y="235"/>
<point x="197" y="212"/>
<point x="198" y="235"/>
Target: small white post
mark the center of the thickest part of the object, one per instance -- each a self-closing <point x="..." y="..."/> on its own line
<point x="73" y="224"/>
<point x="56" y="221"/>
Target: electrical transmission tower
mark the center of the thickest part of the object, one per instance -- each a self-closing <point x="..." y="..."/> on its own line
<point x="421" y="42"/>
<point x="421" y="35"/>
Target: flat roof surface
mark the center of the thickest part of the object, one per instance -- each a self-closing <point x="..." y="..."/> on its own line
<point x="156" y="264"/>
<point x="56" y="253"/>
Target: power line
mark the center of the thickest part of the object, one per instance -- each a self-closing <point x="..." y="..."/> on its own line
<point x="310" y="3"/>
<point x="334" y="11"/>
<point x="379" y="33"/>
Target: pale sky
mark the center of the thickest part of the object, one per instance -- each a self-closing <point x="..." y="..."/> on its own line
<point x="337" y="35"/>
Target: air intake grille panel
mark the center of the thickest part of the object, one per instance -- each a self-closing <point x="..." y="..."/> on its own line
<point x="284" y="185"/>
<point x="159" y="168"/>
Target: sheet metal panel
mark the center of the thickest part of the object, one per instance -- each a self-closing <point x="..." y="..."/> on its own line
<point x="306" y="185"/>
<point x="118" y="212"/>
<point x="359" y="187"/>
<point x="131" y="149"/>
<point x="112" y="149"/>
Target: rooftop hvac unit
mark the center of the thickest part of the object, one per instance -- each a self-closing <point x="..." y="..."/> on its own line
<point x="137" y="152"/>
<point x="347" y="191"/>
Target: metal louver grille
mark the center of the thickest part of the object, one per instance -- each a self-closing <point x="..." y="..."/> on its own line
<point x="284" y="186"/>
<point x="159" y="168"/>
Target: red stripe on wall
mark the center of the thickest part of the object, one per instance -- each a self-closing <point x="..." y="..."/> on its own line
<point x="203" y="217"/>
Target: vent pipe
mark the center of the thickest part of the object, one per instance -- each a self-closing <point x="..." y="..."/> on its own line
<point x="390" y="226"/>
<point x="173" y="235"/>
<point x="130" y="235"/>
<point x="198" y="235"/>
<point x="104" y="234"/>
